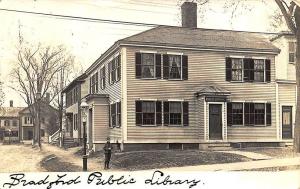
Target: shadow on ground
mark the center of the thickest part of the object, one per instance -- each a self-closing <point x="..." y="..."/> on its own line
<point x="52" y="163"/>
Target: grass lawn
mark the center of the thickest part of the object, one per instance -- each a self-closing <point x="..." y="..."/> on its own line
<point x="170" y="158"/>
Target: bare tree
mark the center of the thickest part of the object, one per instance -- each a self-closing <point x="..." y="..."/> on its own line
<point x="289" y="13"/>
<point x="37" y="72"/>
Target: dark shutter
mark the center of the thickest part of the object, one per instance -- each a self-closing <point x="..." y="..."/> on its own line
<point x="119" y="113"/>
<point x="248" y="69"/>
<point x="96" y="82"/>
<point x="158" y="66"/>
<point x="158" y="113"/>
<point x="185" y="113"/>
<point x="269" y="114"/>
<point x="228" y="69"/>
<point x="184" y="67"/>
<point x="104" y="77"/>
<point x="113" y="69"/>
<point x="229" y="114"/>
<point x="138" y="113"/>
<point x="109" y="73"/>
<point x="268" y="70"/>
<point x="247" y="114"/>
<point x="119" y="68"/>
<point x="166" y="66"/>
<point x="109" y="117"/>
<point x="138" y="65"/>
<point x="252" y="114"/>
<point x="166" y="113"/>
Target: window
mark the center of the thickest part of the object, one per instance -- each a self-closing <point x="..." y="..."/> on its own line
<point x="11" y="133"/>
<point x="176" y="113"/>
<point x="237" y="69"/>
<point x="115" y="115"/>
<point x="248" y="70"/>
<point x="94" y="83"/>
<point x="259" y="114"/>
<point x="28" y="120"/>
<point x="175" y="67"/>
<point x="259" y="69"/>
<point x="114" y="70"/>
<point x="147" y="65"/>
<point x="102" y="78"/>
<point x="292" y="52"/>
<point x="148" y="113"/>
<point x="15" y="122"/>
<point x="235" y="113"/>
<point x="6" y="122"/>
<point x="249" y="114"/>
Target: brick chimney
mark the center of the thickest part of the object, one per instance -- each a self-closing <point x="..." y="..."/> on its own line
<point x="189" y="14"/>
<point x="11" y="103"/>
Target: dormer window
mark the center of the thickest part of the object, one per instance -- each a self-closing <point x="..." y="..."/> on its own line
<point x="292" y="52"/>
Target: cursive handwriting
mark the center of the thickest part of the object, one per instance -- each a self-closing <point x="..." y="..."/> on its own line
<point x="99" y="180"/>
<point x="19" y="179"/>
<point x="159" y="178"/>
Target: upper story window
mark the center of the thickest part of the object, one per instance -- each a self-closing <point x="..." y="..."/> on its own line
<point x="292" y="52"/>
<point x="114" y="70"/>
<point x="94" y="83"/>
<point x="28" y="120"/>
<point x="15" y="122"/>
<point x="102" y="78"/>
<point x="175" y="67"/>
<point x="248" y="70"/>
<point x="148" y="66"/>
<point x="72" y="96"/>
<point x="6" y="122"/>
<point x="249" y="114"/>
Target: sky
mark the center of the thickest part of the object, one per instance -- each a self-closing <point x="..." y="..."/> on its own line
<point x="88" y="40"/>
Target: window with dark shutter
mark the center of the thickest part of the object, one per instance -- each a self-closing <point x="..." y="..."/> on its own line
<point x="138" y="113"/>
<point x="228" y="69"/>
<point x="249" y="114"/>
<point x="118" y="67"/>
<point x="113" y="115"/>
<point x="268" y="114"/>
<point x="184" y="67"/>
<point x="166" y="113"/>
<point x="185" y="112"/>
<point x="102" y="78"/>
<point x="165" y="66"/>
<point x="138" y="65"/>
<point x="248" y="69"/>
<point x="158" y="66"/>
<point x="268" y="70"/>
<point x="259" y="114"/>
<point x="158" y="113"/>
<point x="229" y="114"/>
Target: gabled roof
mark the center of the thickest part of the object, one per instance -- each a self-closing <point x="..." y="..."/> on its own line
<point x="10" y="111"/>
<point x="196" y="38"/>
<point x="43" y="103"/>
<point x="204" y="38"/>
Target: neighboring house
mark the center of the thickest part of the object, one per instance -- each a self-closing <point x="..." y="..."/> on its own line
<point x="9" y="123"/>
<point x="286" y="88"/>
<point x="49" y="122"/>
<point x="184" y="87"/>
<point x="72" y="112"/>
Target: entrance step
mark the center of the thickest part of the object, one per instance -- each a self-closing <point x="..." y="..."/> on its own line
<point x="215" y="146"/>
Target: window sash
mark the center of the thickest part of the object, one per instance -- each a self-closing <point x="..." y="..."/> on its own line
<point x="175" y="113"/>
<point x="148" y="65"/>
<point x="175" y="66"/>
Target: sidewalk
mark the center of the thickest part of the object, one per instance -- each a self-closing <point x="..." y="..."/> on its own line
<point x="240" y="165"/>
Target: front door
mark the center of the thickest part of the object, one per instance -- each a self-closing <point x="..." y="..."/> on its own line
<point x="287" y="123"/>
<point x="215" y="122"/>
<point x="30" y="135"/>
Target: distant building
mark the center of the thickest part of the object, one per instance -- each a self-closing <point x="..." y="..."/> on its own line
<point x="49" y="122"/>
<point x="10" y="123"/>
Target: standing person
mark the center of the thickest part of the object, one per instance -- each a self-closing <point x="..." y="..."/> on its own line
<point x="107" y="152"/>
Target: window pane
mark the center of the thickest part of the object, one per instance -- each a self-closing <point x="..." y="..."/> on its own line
<point x="175" y="107"/>
<point x="148" y="109"/>
<point x="286" y="119"/>
<point x="175" y="113"/>
<point x="175" y="66"/>
<point x="237" y="113"/>
<point x="291" y="57"/>
<point x="147" y="65"/>
<point x="237" y="68"/>
<point x="259" y="111"/>
<point x="259" y="67"/>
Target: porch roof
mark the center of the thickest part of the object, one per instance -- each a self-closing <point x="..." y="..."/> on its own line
<point x="213" y="91"/>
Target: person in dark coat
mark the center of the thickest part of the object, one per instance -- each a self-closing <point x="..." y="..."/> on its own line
<point x="107" y="152"/>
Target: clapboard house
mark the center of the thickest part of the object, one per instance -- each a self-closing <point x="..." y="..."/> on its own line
<point x="184" y="87"/>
